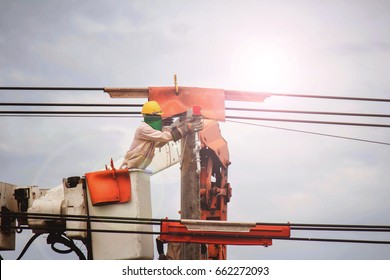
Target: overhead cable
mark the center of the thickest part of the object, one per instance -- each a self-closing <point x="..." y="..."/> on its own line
<point x="32" y="215"/>
<point x="332" y="97"/>
<point x="313" y="133"/>
<point x="126" y="114"/>
<point x="24" y="104"/>
<point x="122" y="231"/>
<point x="157" y="221"/>
<point x="55" y="88"/>
<point x="309" y="112"/>
<point x="236" y="91"/>
<point x="68" y="104"/>
<point x="58" y="113"/>
<point x="69" y="116"/>
<point x="69" y="112"/>
<point x="379" y="242"/>
<point x="308" y="121"/>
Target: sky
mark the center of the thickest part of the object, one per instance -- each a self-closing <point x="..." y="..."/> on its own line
<point x="338" y="48"/>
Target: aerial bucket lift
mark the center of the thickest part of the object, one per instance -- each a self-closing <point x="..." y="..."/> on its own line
<point x="116" y="194"/>
<point x="136" y="202"/>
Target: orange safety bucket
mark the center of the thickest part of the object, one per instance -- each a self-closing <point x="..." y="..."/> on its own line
<point x="109" y="186"/>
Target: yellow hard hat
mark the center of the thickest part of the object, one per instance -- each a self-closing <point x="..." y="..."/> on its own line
<point x="151" y="108"/>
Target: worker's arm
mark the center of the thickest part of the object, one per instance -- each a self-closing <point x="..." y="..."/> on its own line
<point x="186" y="128"/>
<point x="150" y="134"/>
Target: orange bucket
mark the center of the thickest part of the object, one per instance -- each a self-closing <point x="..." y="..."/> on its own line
<point x="109" y="186"/>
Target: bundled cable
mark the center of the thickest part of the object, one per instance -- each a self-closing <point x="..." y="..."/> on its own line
<point x="152" y="221"/>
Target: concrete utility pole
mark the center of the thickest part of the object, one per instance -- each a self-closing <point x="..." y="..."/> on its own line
<point x="190" y="200"/>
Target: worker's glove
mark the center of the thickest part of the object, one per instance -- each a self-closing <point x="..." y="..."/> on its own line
<point x="186" y="128"/>
<point x="167" y="122"/>
<point x="195" y="125"/>
<point x="180" y="132"/>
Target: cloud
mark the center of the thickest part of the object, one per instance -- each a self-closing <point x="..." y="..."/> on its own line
<point x="276" y="175"/>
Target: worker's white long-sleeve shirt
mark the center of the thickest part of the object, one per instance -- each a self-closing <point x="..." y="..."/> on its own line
<point x="141" y="151"/>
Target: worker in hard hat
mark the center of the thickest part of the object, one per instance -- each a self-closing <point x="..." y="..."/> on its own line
<point x="149" y="136"/>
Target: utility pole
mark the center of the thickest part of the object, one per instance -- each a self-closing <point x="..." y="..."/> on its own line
<point x="190" y="200"/>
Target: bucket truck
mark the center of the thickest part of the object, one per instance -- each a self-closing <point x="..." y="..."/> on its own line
<point x="97" y="208"/>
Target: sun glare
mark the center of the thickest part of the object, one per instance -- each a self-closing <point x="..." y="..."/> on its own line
<point x="263" y="66"/>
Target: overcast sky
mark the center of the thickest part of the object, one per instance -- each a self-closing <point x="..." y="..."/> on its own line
<point x="312" y="47"/>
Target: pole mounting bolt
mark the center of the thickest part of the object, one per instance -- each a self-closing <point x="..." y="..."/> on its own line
<point x="176" y="84"/>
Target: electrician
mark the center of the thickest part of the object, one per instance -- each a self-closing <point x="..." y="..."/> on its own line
<point x="149" y="136"/>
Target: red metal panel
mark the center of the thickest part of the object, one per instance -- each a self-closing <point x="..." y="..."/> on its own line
<point x="258" y="235"/>
<point x="212" y="101"/>
<point x="211" y="137"/>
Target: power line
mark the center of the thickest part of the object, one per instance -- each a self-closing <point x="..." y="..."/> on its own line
<point x="54" y="88"/>
<point x="157" y="221"/>
<point x="313" y="133"/>
<point x="28" y="215"/>
<point x="68" y="116"/>
<point x="151" y="221"/>
<point x="232" y="91"/>
<point x="70" y="112"/>
<point x="68" y="104"/>
<point x="123" y="231"/>
<point x="227" y="108"/>
<point x="309" y="112"/>
<point x="341" y="229"/>
<point x="93" y="113"/>
<point x="307" y="121"/>
<point x="332" y="97"/>
<point x="364" y="226"/>
<point x="379" y="242"/>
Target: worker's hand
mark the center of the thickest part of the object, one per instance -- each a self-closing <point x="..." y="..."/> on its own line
<point x="179" y="132"/>
<point x="195" y="125"/>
